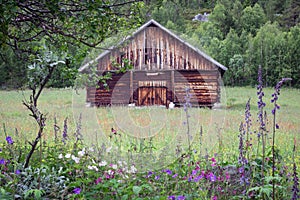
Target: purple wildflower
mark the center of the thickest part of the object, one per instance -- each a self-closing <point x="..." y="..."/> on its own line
<point x="17" y="172"/>
<point x="212" y="177"/>
<point x="150" y="174"/>
<point x="175" y="175"/>
<point x="77" y="191"/>
<point x="260" y="102"/>
<point x="157" y="177"/>
<point x="172" y="197"/>
<point x="181" y="197"/>
<point x="277" y="93"/>
<point x="198" y="178"/>
<point x="65" y="131"/>
<point x="9" y="140"/>
<point x="2" y="161"/>
<point x="168" y="171"/>
<point x="194" y="172"/>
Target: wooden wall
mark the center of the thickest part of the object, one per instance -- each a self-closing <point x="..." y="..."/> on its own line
<point x="166" y="86"/>
<point x="155" y="49"/>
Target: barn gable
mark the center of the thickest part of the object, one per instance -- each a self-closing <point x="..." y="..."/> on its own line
<point x="163" y="66"/>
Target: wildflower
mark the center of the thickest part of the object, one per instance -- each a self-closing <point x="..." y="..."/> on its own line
<point x="198" y="178"/>
<point x="114" y="166"/>
<point x="77" y="191"/>
<point x="149" y="174"/>
<point x="172" y="197"/>
<point x="168" y="171"/>
<point x="214" y="198"/>
<point x="108" y="149"/>
<point x="194" y="172"/>
<point x="82" y="152"/>
<point x="68" y="155"/>
<point x="212" y="177"/>
<point x="175" y="175"/>
<point x="17" y="172"/>
<point x="102" y="163"/>
<point x="76" y="159"/>
<point x="60" y="156"/>
<point x="133" y="169"/>
<point x="9" y="140"/>
<point x="181" y="197"/>
<point x="260" y="102"/>
<point x="227" y="176"/>
<point x="276" y="94"/>
<point x="65" y="131"/>
<point x="91" y="149"/>
<point x="2" y="161"/>
<point x="157" y="177"/>
<point x="98" y="180"/>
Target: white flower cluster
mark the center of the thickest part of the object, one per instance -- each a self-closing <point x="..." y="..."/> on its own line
<point x="73" y="157"/>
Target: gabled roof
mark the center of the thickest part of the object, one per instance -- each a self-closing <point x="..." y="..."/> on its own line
<point x="155" y="23"/>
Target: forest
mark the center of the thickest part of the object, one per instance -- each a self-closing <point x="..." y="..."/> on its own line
<point x="240" y="34"/>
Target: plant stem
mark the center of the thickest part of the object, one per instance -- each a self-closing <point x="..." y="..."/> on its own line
<point x="273" y="155"/>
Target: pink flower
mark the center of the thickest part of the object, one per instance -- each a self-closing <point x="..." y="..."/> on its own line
<point x="214" y="198"/>
<point x="227" y="176"/>
<point x="98" y="180"/>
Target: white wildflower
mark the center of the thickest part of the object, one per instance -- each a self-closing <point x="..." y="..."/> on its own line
<point x="68" y="155"/>
<point x="90" y="167"/>
<point x="91" y="149"/>
<point x="103" y="163"/>
<point x="110" y="172"/>
<point x="81" y="153"/>
<point x="132" y="169"/>
<point x="108" y="149"/>
<point x="76" y="159"/>
<point x="114" y="166"/>
<point x="60" y="156"/>
<point x="120" y="163"/>
<point x="95" y="168"/>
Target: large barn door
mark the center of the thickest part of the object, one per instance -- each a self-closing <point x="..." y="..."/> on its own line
<point x="152" y="93"/>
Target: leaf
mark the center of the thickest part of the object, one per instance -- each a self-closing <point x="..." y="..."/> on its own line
<point x="136" y="189"/>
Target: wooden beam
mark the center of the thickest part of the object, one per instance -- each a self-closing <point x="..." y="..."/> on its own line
<point x="131" y="86"/>
<point x="173" y="86"/>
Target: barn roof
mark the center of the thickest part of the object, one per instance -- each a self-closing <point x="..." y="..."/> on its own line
<point x="155" y="23"/>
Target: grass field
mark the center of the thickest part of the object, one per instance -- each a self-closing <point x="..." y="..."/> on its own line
<point x="61" y="103"/>
<point x="218" y="125"/>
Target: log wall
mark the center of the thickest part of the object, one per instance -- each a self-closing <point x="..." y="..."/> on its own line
<point x="155" y="49"/>
<point x="166" y="86"/>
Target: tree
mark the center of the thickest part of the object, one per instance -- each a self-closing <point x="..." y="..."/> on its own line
<point x="252" y="19"/>
<point x="63" y="22"/>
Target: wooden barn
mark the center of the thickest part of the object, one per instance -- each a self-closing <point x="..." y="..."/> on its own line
<point x="163" y="66"/>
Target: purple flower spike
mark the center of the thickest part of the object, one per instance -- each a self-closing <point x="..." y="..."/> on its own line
<point x="77" y="191"/>
<point x="9" y="140"/>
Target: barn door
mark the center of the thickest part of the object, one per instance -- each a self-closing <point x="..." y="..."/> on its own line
<point x="152" y="93"/>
